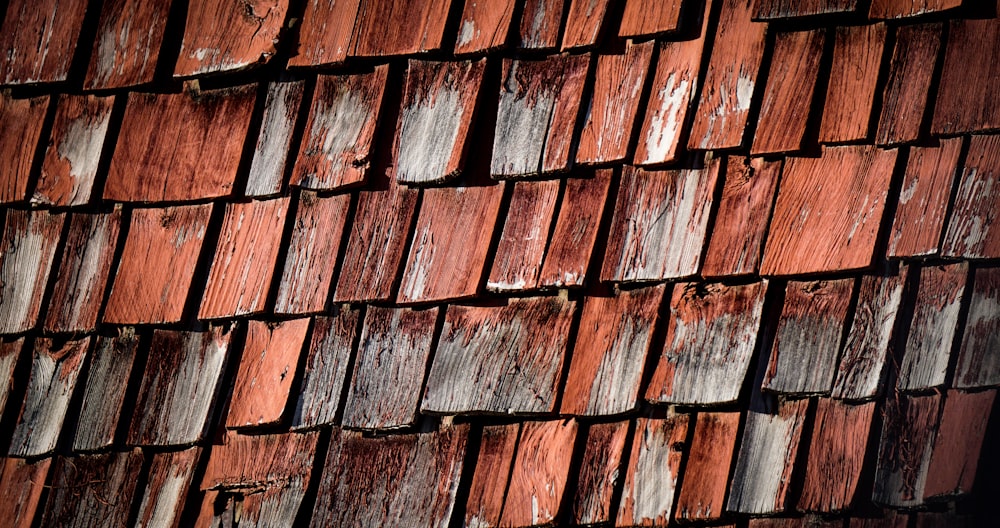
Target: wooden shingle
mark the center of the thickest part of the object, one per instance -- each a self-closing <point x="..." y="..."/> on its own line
<point x="965" y="103"/>
<point x="221" y="35"/>
<point x="92" y="490"/>
<point x="933" y="327"/>
<point x="260" y="461"/>
<point x="908" y="8"/>
<point x="599" y="473"/>
<point x="908" y="430"/>
<point x="909" y="81"/>
<point x="653" y="470"/>
<point x="836" y="455"/>
<point x="167" y="485"/>
<point x="923" y="200"/>
<point x="540" y="23"/>
<point x="568" y="256"/>
<point x="37" y="40"/>
<point x="850" y="94"/>
<point x="74" y="150"/>
<point x="489" y="482"/>
<point x="129" y="37"/>
<point x="325" y="32"/>
<point x="27" y="250"/>
<point x="650" y="17"/>
<point x="388" y="27"/>
<point x="21" y="484"/>
<point x="21" y="119"/>
<point x="326" y="368"/>
<point x="270" y="155"/>
<point x="979" y="356"/>
<point x="584" y="23"/>
<point x="484" y="26"/>
<point x="706" y="473"/>
<point x="539" y="473"/>
<point x="525" y="237"/>
<point x="956" y="452"/>
<point x="267" y="368"/>
<point x="104" y="392"/>
<point x="788" y="95"/>
<point x="972" y="230"/>
<point x="10" y="351"/>
<point x="777" y="9"/>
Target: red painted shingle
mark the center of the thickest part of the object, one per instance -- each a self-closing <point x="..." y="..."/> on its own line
<point x="484" y="26"/>
<point x="37" y="40"/>
<point x="910" y="77"/>
<point x="21" y="119"/>
<point x="568" y="256"/>
<point x="706" y="473"/>
<point x="260" y="461"/>
<point x="91" y="490"/>
<point x="978" y="361"/>
<point x="325" y="32"/>
<point x="908" y="430"/>
<point x="27" y="250"/>
<point x="584" y="23"/>
<point x="907" y="8"/>
<point x="489" y="482"/>
<point x="74" y="150"/>
<point x="836" y="455"/>
<point x="777" y="9"/>
<point x="10" y="352"/>
<point x="167" y="486"/>
<point x="222" y="35"/>
<point x="525" y="236"/>
<point x="599" y="473"/>
<point x="325" y="369"/>
<point x="540" y="23"/>
<point x="271" y="155"/>
<point x="956" y="452"/>
<point x="923" y="199"/>
<point x="129" y="37"/>
<point x="21" y="483"/>
<point x="972" y="231"/>
<point x="388" y="27"/>
<point x="850" y="94"/>
<point x="653" y="471"/>
<point x="650" y="17"/>
<point x="965" y="101"/>
<point x="539" y="473"/>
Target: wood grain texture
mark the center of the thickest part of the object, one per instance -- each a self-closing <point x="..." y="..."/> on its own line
<point x="730" y="80"/>
<point x="326" y="368"/>
<point x="179" y="387"/>
<point x="10" y="351"/>
<point x="389" y="370"/>
<point x="788" y="95"/>
<point x="387" y="27"/>
<point x="850" y="94"/>
<point x="92" y="490"/>
<point x="807" y="343"/>
<point x="192" y="153"/>
<point x="908" y="8"/>
<point x="737" y="239"/>
<point x="933" y="327"/>
<point x="325" y="32"/>
<point x="614" y="103"/>
<point x="706" y="473"/>
<point x="710" y="340"/>
<point x="599" y="473"/>
<point x="398" y="480"/>
<point x="964" y="102"/>
<point x="22" y="119"/>
<point x="489" y="482"/>
<point x="972" y="231"/>
<point x="861" y="371"/>
<point x="104" y="392"/>
<point x="660" y="224"/>
<point x="21" y="484"/>
<point x="74" y="150"/>
<point x="525" y="237"/>
<point x="539" y="102"/>
<point x="653" y="469"/>
<point x="270" y="155"/>
<point x="584" y="23"/>
<point x="822" y="223"/>
<point x="908" y="430"/>
<point x="244" y="260"/>
<point x="961" y="432"/>
<point x="909" y="81"/>
<point x="447" y="257"/>
<point x="171" y="237"/>
<point x="227" y="35"/>
<point x="267" y="368"/>
<point x="923" y="199"/>
<point x="612" y="343"/>
<point x="484" y="26"/>
<point x="540" y="23"/>
<point x="129" y="38"/>
<point x="312" y="253"/>
<point x="500" y="360"/>
<point x="273" y="506"/>
<point x="166" y="489"/>
<point x="979" y="356"/>
<point x="54" y="371"/>
<point x="336" y="146"/>
<point x="37" y="40"/>
<point x="260" y="461"/>
<point x="27" y="250"/>
<point x="761" y="480"/>
<point x="650" y="17"/>
<point x="836" y="455"/>
<point x="539" y="474"/>
<point x="568" y="257"/>
<point x="83" y="272"/>
<point x="777" y="9"/>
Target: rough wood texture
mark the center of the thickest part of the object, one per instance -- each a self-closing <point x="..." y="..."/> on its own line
<point x="267" y="368"/>
<point x="325" y="32"/>
<point x="489" y="482"/>
<point x="192" y="152"/>
<point x="270" y="155"/>
<point x="438" y="106"/>
<point x="501" y="360"/>
<point x="539" y="474"/>
<point x="21" y="485"/>
<point x="861" y="373"/>
<point x="909" y="81"/>
<point x="972" y="230"/>
<point x="823" y="223"/>
<point x="273" y="506"/>
<point x="979" y="356"/>
<point x="336" y="147"/>
<point x="540" y="23"/>
<point x="776" y="9"/>
<point x="539" y="101"/>
<point x="650" y="17"/>
<point x="521" y="251"/>
<point x="737" y="238"/>
<point x="398" y="480"/>
<point x="445" y="263"/>
<point x="568" y="256"/>
<point x="326" y="367"/>
<point x="807" y="342"/>
<point x="74" y="150"/>
<point x="660" y="224"/>
<point x="965" y="103"/>
<point x="21" y="119"/>
<point x="244" y="260"/>
<point x="92" y="490"/>
<point x="889" y="519"/>
<point x="484" y="25"/>
<point x="923" y="200"/>
<point x="850" y="94"/>
<point x="388" y="27"/>
<point x="167" y="488"/>
<point x="836" y="455"/>
<point x="312" y="253"/>
<point x="129" y="37"/>
<point x="27" y="250"/>
<point x="710" y="340"/>
<point x="83" y="272"/>
<point x="171" y="237"/>
<point x="932" y="329"/>
<point x="730" y="79"/>
<point x="104" y="393"/>
<point x="904" y="454"/>
<point x="618" y="84"/>
<point x="763" y="471"/>
<point x="788" y="95"/>
<point x="706" y="473"/>
<point x="389" y="370"/>
<point x="178" y="387"/>
<point x="955" y="456"/>
<point x="9" y="353"/>
<point x="612" y="344"/>
<point x="907" y="8"/>
<point x="653" y="468"/>
<point x="226" y="35"/>
<point x="37" y="40"/>
<point x="263" y="461"/>
<point x="605" y="444"/>
<point x="584" y="23"/>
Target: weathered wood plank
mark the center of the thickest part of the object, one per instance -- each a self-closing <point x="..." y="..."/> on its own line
<point x="171" y="237"/>
<point x="584" y="23"/>
<point x="245" y="462"/>
<point x="221" y="35"/>
<point x="485" y="25"/>
<point x="92" y="490"/>
<point x="650" y="17"/>
<point x="489" y="482"/>
<point x="923" y="200"/>
<point x="389" y="370"/>
<point x="599" y="473"/>
<point x="932" y="329"/>
<point x="387" y="27"/>
<point x="539" y="474"/>
<point x="567" y="259"/>
<point x="521" y="250"/>
<point x="850" y="94"/>
<point x="325" y="32"/>
<point x="167" y="486"/>
<point x="957" y="446"/>
<point x="908" y="8"/>
<point x="612" y="343"/>
<point x="178" y="387"/>
<point x="909" y="81"/>
<point x="972" y="230"/>
<point x="653" y="468"/>
<point x="710" y="341"/>
<point x="909" y="427"/>
<point x="21" y="486"/>
<point x="889" y="519"/>
<point x="270" y="155"/>
<point x="499" y="359"/>
<point x="10" y="351"/>
<point x="777" y="9"/>
<point x="273" y="506"/>
<point x="540" y="23"/>
<point x="27" y="250"/>
<point x="706" y="473"/>
<point x="74" y="150"/>
<point x="979" y="356"/>
<point x="104" y="393"/>
<point x="267" y="368"/>
<point x="336" y="147"/>
<point x="836" y="455"/>
<point x="660" y="224"/>
<point x="965" y="103"/>
<point x="326" y="368"/>
<point x="21" y="119"/>
<point x="129" y="38"/>
<point x="37" y="40"/>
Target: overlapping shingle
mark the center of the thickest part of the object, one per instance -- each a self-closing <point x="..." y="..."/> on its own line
<point x="909" y="426"/>
<point x="27" y="251"/>
<point x="599" y="473"/>
<point x="972" y="231"/>
<point x="909" y="81"/>
<point x="74" y="151"/>
<point x="37" y="40"/>
<point x="584" y="23"/>
<point x="10" y="351"/>
<point x="778" y="9"/>
<point x="706" y="472"/>
<point x="168" y="481"/>
<point x="22" y="119"/>
<point x="540" y="24"/>
<point x="964" y="101"/>
<point x="92" y="490"/>
<point x="129" y="37"/>
<point x="933" y="327"/>
<point x="525" y="236"/>
<point x="488" y="486"/>
<point x="907" y="8"/>
<point x="388" y="27"/>
<point x="484" y="26"/>
<point x="650" y="17"/>
<point x="978" y="362"/>
<point x="539" y="473"/>
<point x="221" y="35"/>
<point x="271" y="154"/>
<point x="923" y="199"/>
<point x="102" y="408"/>
<point x="836" y="455"/>
<point x="21" y="483"/>
<point x="325" y="32"/>
<point x="267" y="368"/>
<point x="326" y="367"/>
<point x="960" y="436"/>
<point x="850" y="93"/>
<point x="570" y="249"/>
<point x="653" y="471"/>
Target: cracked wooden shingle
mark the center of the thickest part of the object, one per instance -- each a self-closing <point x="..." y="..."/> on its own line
<point x="92" y="490"/>
<point x="267" y="367"/>
<point x="972" y="231"/>
<point x="643" y="18"/>
<point x="923" y="200"/>
<point x="21" y="484"/>
<point x="836" y="455"/>
<point x="539" y="473"/>
<point x="270" y="155"/>
<point x="166" y="489"/>
<point x="979" y="356"/>
<point x="227" y="35"/>
<point x="484" y="26"/>
<point x="104" y="393"/>
<point x="326" y="367"/>
<point x="850" y="94"/>
<point x="653" y="471"/>
<point x="252" y="462"/>
<point x="956" y="452"/>
<point x="129" y="39"/>
<point x="910" y="78"/>
<point x="387" y="27"/>
<point x="965" y="101"/>
<point x="936" y="311"/>
<point x="541" y="22"/>
<point x="21" y="119"/>
<point x="778" y="9"/>
<point x="568" y="256"/>
<point x="38" y="39"/>
<point x="489" y="481"/>
<point x="74" y="150"/>
<point x="520" y="253"/>
<point x="27" y="251"/>
<point x="706" y="473"/>
<point x="909" y="426"/>
<point x="908" y="8"/>
<point x="584" y="23"/>
<point x="599" y="473"/>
